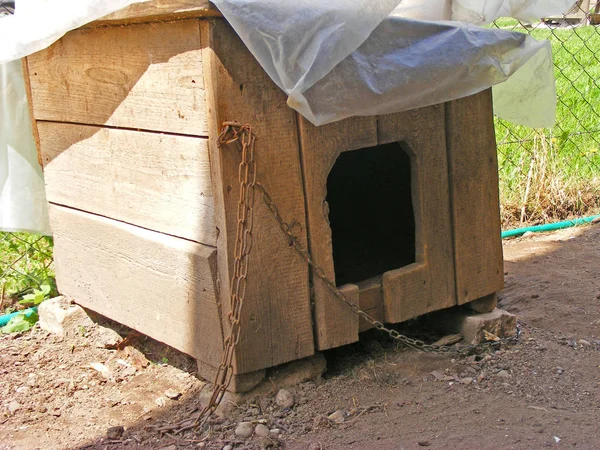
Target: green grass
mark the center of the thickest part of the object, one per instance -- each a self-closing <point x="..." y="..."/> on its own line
<point x="552" y="174"/>
<point x="25" y="265"/>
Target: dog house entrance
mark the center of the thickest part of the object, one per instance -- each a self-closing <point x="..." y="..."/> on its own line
<point x="371" y="212"/>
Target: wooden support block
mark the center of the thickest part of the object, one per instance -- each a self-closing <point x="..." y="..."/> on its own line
<point x="146" y="76"/>
<point x="159" y="285"/>
<point x="276" y="316"/>
<point x="336" y="324"/>
<point x="474" y="192"/>
<point x="428" y="284"/>
<point x="156" y="181"/>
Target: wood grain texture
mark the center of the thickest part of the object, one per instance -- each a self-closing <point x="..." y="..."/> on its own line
<point x="336" y="324"/>
<point x="428" y="284"/>
<point x="370" y="299"/>
<point x="159" y="285"/>
<point x="34" y="127"/>
<point x="473" y="168"/>
<point x="156" y="181"/>
<point x="156" y="10"/>
<point x="276" y="314"/>
<point x="146" y="76"/>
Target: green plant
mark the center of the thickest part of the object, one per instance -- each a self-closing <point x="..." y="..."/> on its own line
<point x="23" y="321"/>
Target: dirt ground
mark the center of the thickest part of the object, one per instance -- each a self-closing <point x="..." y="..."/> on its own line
<point x="543" y="391"/>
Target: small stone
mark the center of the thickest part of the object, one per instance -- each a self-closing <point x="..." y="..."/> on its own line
<point x="101" y="369"/>
<point x="584" y="343"/>
<point x="284" y="399"/>
<point x="32" y="380"/>
<point x="160" y="402"/>
<point x="244" y="430"/>
<point x="503" y="374"/>
<point x="466" y="381"/>
<point x="424" y="443"/>
<point x="115" y="432"/>
<point x="23" y="389"/>
<point x="172" y="394"/>
<point x="59" y="316"/>
<point x="275" y="431"/>
<point x="527" y="234"/>
<point x="107" y="338"/>
<point x="449" y="340"/>
<point x="129" y="371"/>
<point x="13" y="407"/>
<point x="228" y="447"/>
<point x="261" y="430"/>
<point x="337" y="417"/>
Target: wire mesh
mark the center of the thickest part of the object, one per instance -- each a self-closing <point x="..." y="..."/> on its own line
<point x="554" y="174"/>
<point x="26" y="264"/>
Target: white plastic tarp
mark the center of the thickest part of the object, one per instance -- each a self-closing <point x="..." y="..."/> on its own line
<point x="22" y="197"/>
<point x="35" y="25"/>
<point x="334" y="59"/>
<point x="342" y="58"/>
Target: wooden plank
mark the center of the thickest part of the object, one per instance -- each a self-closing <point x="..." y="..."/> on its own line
<point x="158" y="10"/>
<point x="335" y="323"/>
<point x="370" y="299"/>
<point x="146" y="76"/>
<point x="159" y="285"/>
<point x="157" y="181"/>
<point x="276" y="316"/>
<point x="34" y="127"/>
<point x="428" y="284"/>
<point x="473" y="168"/>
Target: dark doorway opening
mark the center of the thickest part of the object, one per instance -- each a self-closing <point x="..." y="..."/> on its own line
<point x="371" y="212"/>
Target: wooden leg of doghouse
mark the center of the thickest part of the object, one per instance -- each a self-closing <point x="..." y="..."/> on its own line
<point x="484" y="304"/>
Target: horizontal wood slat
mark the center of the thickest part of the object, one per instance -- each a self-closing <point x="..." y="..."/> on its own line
<point x="160" y="182"/>
<point x="157" y="284"/>
<point x="146" y="76"/>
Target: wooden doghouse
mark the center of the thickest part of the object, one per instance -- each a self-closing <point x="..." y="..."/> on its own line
<point x="402" y="210"/>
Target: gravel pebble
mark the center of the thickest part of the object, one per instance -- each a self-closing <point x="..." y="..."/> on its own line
<point x="284" y="399"/>
<point x="261" y="430"/>
<point x="244" y="430"/>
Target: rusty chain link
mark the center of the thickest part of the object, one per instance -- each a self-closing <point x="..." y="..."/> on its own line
<point x="234" y="132"/>
<point x="394" y="334"/>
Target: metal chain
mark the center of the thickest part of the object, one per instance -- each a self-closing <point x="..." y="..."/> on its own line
<point x="234" y="132"/>
<point x="395" y="335"/>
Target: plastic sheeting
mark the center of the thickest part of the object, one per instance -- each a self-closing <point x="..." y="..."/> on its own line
<point x="35" y="25"/>
<point x="38" y="23"/>
<point x="22" y="197"/>
<point x="334" y="59"/>
<point x="343" y="58"/>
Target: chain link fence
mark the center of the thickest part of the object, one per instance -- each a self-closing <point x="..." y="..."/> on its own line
<point x="553" y="174"/>
<point x="545" y="174"/>
<point x="26" y="265"/>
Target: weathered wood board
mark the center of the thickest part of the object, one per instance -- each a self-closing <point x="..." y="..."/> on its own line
<point x="157" y="284"/>
<point x="156" y="10"/>
<point x="276" y="314"/>
<point x="156" y="181"/>
<point x="428" y="284"/>
<point x="474" y="193"/>
<point x="146" y="76"/>
<point x="335" y="323"/>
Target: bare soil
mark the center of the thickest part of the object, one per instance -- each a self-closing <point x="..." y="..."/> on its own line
<point x="543" y="391"/>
